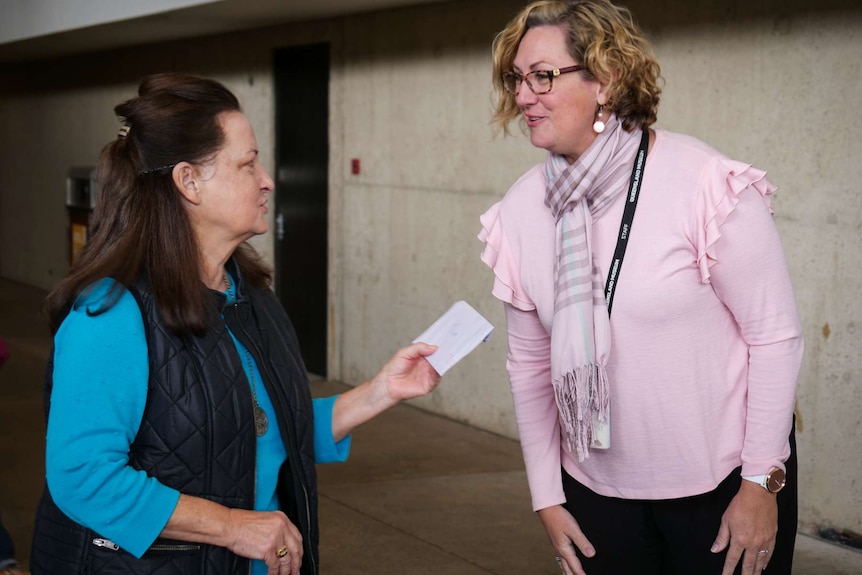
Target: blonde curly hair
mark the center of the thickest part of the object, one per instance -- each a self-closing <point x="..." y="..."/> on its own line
<point x="604" y="39"/>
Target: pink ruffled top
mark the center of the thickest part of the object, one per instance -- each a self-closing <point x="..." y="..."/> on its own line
<point x="706" y="337"/>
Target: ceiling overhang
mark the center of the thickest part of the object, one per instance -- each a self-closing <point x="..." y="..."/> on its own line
<point x="35" y="29"/>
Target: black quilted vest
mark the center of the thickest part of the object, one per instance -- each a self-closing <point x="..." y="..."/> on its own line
<point x="197" y="436"/>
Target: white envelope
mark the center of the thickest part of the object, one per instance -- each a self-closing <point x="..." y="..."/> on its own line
<point x="456" y="333"/>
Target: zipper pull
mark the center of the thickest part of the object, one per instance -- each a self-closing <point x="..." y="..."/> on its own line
<point x="106" y="543"/>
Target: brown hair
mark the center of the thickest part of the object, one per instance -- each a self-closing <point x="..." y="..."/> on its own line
<point x="600" y="36"/>
<point x="140" y="225"/>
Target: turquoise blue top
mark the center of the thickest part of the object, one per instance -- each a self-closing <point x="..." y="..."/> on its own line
<point x="101" y="372"/>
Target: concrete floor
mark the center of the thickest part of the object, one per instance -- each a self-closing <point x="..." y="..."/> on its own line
<point x="420" y="493"/>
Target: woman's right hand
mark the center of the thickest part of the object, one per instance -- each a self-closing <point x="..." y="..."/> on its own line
<point x="564" y="531"/>
<point x="260" y="534"/>
<point x="251" y="534"/>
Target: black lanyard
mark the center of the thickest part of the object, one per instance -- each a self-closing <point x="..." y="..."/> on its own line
<point x="626" y="223"/>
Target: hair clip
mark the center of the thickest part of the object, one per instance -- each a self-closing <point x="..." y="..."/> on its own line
<point x="124" y="131"/>
<point x="154" y="170"/>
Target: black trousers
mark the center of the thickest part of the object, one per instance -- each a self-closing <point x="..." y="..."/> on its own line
<point x="672" y="536"/>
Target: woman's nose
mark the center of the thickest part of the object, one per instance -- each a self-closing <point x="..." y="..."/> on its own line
<point x="266" y="183"/>
<point x="525" y="96"/>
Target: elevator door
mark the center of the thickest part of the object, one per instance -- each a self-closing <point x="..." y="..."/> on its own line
<point x="302" y="157"/>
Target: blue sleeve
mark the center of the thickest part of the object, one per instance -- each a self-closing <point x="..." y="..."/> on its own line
<point x="97" y="403"/>
<point x="325" y="448"/>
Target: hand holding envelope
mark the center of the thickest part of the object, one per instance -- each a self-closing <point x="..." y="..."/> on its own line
<point x="456" y="333"/>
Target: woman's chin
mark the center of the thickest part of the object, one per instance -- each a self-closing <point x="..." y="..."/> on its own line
<point x="538" y="141"/>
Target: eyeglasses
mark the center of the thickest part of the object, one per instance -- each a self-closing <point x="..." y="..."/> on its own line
<point x="541" y="82"/>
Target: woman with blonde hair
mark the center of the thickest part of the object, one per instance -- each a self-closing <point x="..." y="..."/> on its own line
<point x="654" y="341"/>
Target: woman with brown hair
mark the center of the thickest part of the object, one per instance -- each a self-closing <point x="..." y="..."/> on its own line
<point x="654" y="341"/>
<point x="182" y="437"/>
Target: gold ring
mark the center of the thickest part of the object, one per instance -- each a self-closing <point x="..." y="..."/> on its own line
<point x="281" y="551"/>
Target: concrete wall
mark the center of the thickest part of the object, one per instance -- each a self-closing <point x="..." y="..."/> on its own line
<point x="772" y="84"/>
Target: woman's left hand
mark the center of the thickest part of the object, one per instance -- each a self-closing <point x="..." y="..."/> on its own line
<point x="748" y="529"/>
<point x="408" y="374"/>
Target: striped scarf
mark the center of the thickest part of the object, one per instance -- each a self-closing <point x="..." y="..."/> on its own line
<point x="580" y="337"/>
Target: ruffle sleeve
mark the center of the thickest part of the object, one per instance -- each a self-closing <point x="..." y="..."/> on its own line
<point x="502" y="259"/>
<point x="722" y="183"/>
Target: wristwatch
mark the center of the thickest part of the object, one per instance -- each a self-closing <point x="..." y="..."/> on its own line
<point x="774" y="481"/>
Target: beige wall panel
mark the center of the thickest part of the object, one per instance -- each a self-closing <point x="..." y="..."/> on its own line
<point x="417" y="87"/>
<point x="830" y="395"/>
<point x="417" y="101"/>
<point x="44" y="134"/>
<point x="407" y="259"/>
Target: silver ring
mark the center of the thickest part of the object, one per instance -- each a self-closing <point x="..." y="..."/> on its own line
<point x="763" y="551"/>
<point x="557" y="559"/>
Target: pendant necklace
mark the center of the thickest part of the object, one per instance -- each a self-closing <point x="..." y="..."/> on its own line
<point x="261" y="423"/>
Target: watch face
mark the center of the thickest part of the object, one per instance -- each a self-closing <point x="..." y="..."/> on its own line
<point x="775" y="480"/>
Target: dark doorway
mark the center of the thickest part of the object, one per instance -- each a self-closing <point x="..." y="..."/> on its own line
<point x="302" y="159"/>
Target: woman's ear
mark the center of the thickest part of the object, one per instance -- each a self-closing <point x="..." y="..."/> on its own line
<point x="606" y="85"/>
<point x="603" y="95"/>
<point x="185" y="179"/>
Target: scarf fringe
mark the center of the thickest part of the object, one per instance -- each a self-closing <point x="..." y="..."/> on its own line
<point x="579" y="394"/>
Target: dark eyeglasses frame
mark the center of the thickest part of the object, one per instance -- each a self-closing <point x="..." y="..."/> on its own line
<point x="548" y="74"/>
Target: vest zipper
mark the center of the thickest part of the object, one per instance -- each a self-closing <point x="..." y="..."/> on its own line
<point x="254" y="489"/>
<point x="289" y="430"/>
<point x="175" y="547"/>
<point x="110" y="545"/>
<point x="106" y="543"/>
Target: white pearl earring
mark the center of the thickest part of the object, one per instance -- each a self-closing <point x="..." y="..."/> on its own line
<point x="599" y="124"/>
